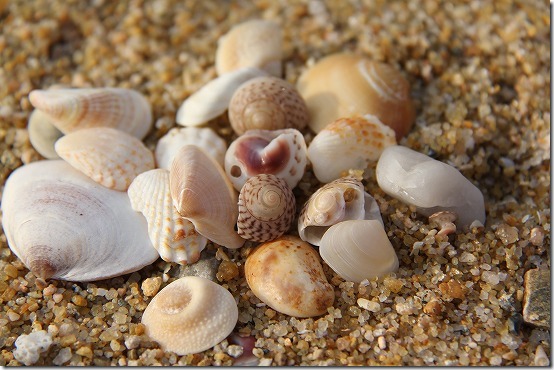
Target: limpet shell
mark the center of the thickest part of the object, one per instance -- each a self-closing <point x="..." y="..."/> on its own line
<point x="43" y="134"/>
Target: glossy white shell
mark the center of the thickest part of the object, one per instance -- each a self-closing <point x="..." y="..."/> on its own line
<point x="43" y="134"/>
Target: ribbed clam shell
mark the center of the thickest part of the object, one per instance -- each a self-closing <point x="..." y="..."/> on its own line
<point x="254" y="43"/>
<point x="267" y="103"/>
<point x="281" y="153"/>
<point x="174" y="237"/>
<point x="110" y="157"/>
<point x="74" y="109"/>
<point x="213" y="98"/>
<point x="190" y="315"/>
<point x="43" y="134"/>
<point x="203" y="137"/>
<point x="63" y="225"/>
<point x="358" y="250"/>
<point x="266" y="208"/>
<point x="348" y="143"/>
<point x="203" y="194"/>
<point x="340" y="200"/>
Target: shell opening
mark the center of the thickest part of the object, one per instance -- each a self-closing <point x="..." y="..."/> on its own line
<point x="236" y="171"/>
<point x="175" y="302"/>
<point x="350" y="195"/>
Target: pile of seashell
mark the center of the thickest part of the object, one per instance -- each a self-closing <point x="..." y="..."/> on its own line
<point x="110" y="206"/>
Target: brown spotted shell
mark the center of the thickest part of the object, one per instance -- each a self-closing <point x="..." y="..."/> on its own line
<point x="266" y="208"/>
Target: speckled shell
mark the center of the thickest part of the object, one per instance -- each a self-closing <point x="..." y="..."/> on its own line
<point x="267" y="103"/>
<point x="203" y="194"/>
<point x="203" y="137"/>
<point x="286" y="274"/>
<point x="110" y="157"/>
<point x="74" y="109"/>
<point x="348" y="143"/>
<point x="254" y="43"/>
<point x="174" y="237"/>
<point x="343" y="85"/>
<point x="190" y="315"/>
<point x="281" y="153"/>
<point x="358" y="250"/>
<point x="266" y="208"/>
<point x="340" y="200"/>
<point x="43" y="134"/>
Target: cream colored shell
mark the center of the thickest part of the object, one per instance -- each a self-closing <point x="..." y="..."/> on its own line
<point x="43" y="134"/>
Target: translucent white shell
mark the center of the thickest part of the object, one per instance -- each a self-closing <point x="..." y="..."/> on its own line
<point x="63" y="225"/>
<point x="348" y="143"/>
<point x="43" y="134"/>
<point x="110" y="157"/>
<point x="358" y="250"/>
<point x="213" y="98"/>
<point x="281" y="153"/>
<point x="74" y="109"/>
<point x="190" y="315"/>
<point x="174" y="238"/>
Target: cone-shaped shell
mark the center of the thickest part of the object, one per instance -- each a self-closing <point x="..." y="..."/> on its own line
<point x="110" y="157"/>
<point x="63" y="225"/>
<point x="190" y="315"/>
<point x="74" y="109"/>
<point x="203" y="194"/>
<point x="174" y="237"/>
<point x="43" y="134"/>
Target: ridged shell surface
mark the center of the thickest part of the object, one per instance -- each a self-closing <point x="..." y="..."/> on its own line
<point x="43" y="134"/>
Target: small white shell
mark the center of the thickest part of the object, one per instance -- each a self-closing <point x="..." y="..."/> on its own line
<point x="281" y="153"/>
<point x="110" y="157"/>
<point x="174" y="238"/>
<point x="358" y="250"/>
<point x="190" y="315"/>
<point x="43" y="134"/>
<point x="204" y="137"/>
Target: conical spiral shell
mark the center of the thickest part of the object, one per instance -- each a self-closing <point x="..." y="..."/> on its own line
<point x="266" y="208"/>
<point x="174" y="237"/>
<point x="43" y="134"/>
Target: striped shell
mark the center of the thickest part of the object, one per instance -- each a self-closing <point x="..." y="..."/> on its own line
<point x="43" y="134"/>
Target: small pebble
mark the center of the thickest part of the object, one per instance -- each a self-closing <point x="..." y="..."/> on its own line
<point x="536" y="299"/>
<point x="62" y="357"/>
<point x="85" y="352"/>
<point x="79" y="300"/>
<point x="151" y="286"/>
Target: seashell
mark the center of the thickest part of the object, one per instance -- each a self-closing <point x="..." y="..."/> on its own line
<point x="174" y="238"/>
<point x="190" y="315"/>
<point x="43" y="134"/>
<point x="358" y="250"/>
<point x="348" y="143"/>
<point x="340" y="200"/>
<point x="254" y="43"/>
<point x="213" y="98"/>
<point x="266" y="208"/>
<point x="63" y="225"/>
<point x="74" y="109"/>
<point x="203" y="194"/>
<point x="428" y="184"/>
<point x="267" y="103"/>
<point x="281" y="153"/>
<point x="204" y="137"/>
<point x="110" y="157"/>
<point x="286" y="274"/>
<point x="344" y="85"/>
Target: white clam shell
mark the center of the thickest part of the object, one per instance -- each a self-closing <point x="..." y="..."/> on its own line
<point x="174" y="238"/>
<point x="74" y="109"/>
<point x="63" y="225"/>
<point x="213" y="98"/>
<point x="428" y="184"/>
<point x="204" y="137"/>
<point x="358" y="250"/>
<point x="110" y="157"/>
<point x="348" y="143"/>
<point x="190" y="315"/>
<point x="43" y="134"/>
<point x="281" y="153"/>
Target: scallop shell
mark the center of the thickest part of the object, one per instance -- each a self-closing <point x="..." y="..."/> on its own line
<point x="110" y="157"/>
<point x="63" y="225"/>
<point x="174" y="238"/>
<point x="340" y="200"/>
<point x="266" y="208"/>
<point x="213" y="98"/>
<point x="254" y="43"/>
<point x="74" y="109"/>
<point x="43" y="134"/>
<point x="348" y="143"/>
<point x="204" y="137"/>
<point x="358" y="250"/>
<point x="281" y="153"/>
<point x="344" y="85"/>
<point x="190" y="315"/>
<point x="203" y="194"/>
